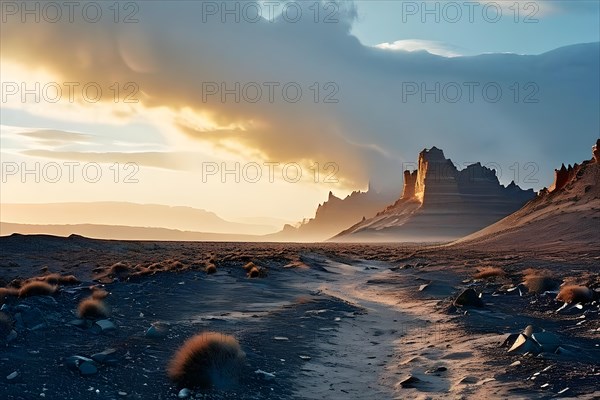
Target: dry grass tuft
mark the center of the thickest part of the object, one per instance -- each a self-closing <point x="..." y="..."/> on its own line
<point x="211" y="269"/>
<point x="99" y="294"/>
<point x="37" y="288"/>
<point x="575" y="294"/>
<point x="120" y="270"/>
<point x="56" y="279"/>
<point x="254" y="272"/>
<point x="539" y="281"/>
<point x="209" y="359"/>
<point x="249" y="266"/>
<point x="92" y="308"/>
<point x="489" y="272"/>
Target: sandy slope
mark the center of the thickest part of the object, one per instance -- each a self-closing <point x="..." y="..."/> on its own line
<point x="565" y="219"/>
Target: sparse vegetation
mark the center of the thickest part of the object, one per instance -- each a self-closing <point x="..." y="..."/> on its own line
<point x="575" y="294"/>
<point x="211" y="269"/>
<point x="209" y="359"/>
<point x="92" y="308"/>
<point x="489" y="272"/>
<point x="37" y="288"/>
<point x="247" y="267"/>
<point x="99" y="294"/>
<point x="120" y="270"/>
<point x="539" y="281"/>
<point x="55" y="279"/>
<point x="253" y="272"/>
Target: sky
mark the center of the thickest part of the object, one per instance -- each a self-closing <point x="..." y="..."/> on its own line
<point x="250" y="114"/>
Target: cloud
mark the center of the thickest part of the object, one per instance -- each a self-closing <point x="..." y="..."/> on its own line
<point x="57" y="137"/>
<point x="432" y="47"/>
<point x="173" y="64"/>
<point x="169" y="161"/>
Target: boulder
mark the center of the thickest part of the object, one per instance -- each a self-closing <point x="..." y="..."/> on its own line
<point x="547" y="340"/>
<point x="468" y="298"/>
<point x="524" y="345"/>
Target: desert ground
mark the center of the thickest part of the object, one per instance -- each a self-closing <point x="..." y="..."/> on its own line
<point x="318" y="321"/>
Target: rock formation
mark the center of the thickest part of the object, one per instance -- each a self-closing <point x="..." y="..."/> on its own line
<point x="561" y="218"/>
<point x="334" y="215"/>
<point x="441" y="203"/>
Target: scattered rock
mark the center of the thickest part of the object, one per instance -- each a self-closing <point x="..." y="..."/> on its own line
<point x="305" y="358"/>
<point x="265" y="375"/>
<point x="184" y="393"/>
<point x="468" y="298"/>
<point x="102" y="326"/>
<point x="157" y="331"/>
<point x="409" y="381"/>
<point x="87" y="368"/>
<point x="108" y="356"/>
<point x="12" y="376"/>
<point x="468" y="380"/>
<point x="524" y="345"/>
<point x="84" y="365"/>
<point x="436" y="370"/>
<point x="547" y="340"/>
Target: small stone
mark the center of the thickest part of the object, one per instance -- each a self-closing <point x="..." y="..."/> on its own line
<point x="280" y="338"/>
<point x="409" y="381"/>
<point x="157" y="331"/>
<point x="122" y="393"/>
<point x="265" y="375"/>
<point x="12" y="376"/>
<point x="528" y="331"/>
<point x="305" y="358"/>
<point x="184" y="393"/>
<point x="87" y="368"/>
<point x="469" y="380"/>
<point x="80" y="323"/>
<point x="515" y="364"/>
<point x="108" y="356"/>
<point x="436" y="370"/>
<point x="103" y="325"/>
<point x="74" y="362"/>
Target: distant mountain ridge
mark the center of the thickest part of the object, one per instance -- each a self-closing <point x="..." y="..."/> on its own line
<point x="126" y="214"/>
<point x="334" y="215"/>
<point x="441" y="203"/>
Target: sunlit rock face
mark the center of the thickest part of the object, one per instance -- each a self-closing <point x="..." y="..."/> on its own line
<point x="410" y="180"/>
<point x="596" y="151"/>
<point x="441" y="203"/>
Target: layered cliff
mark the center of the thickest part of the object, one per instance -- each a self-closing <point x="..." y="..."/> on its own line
<point x="564" y="217"/>
<point x="441" y="203"/>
